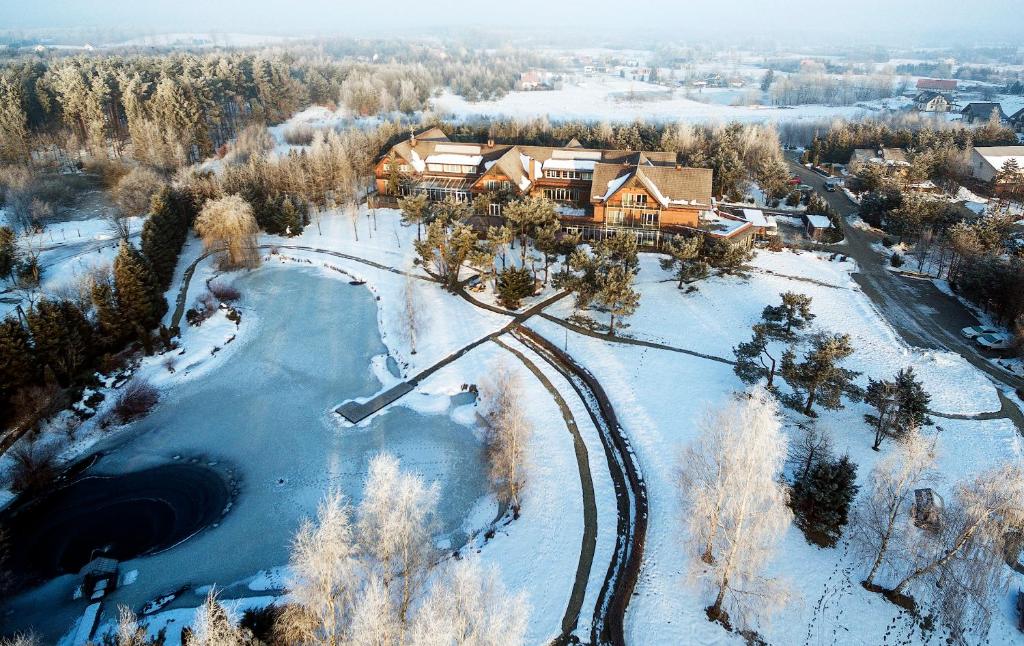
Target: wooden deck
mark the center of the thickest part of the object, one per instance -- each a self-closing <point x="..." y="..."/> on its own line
<point x="356" y="412"/>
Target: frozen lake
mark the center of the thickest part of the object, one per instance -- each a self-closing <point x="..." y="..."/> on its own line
<point x="265" y="417"/>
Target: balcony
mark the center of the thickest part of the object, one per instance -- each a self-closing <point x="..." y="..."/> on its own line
<point x="633" y="216"/>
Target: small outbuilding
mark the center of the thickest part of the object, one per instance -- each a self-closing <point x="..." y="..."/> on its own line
<point x="927" y="509"/>
<point x="816" y="226"/>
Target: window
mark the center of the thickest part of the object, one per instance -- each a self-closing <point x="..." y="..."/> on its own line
<point x="562" y="194"/>
<point x="649" y="219"/>
<point x="634" y="199"/>
<point x="568" y="174"/>
<point x="494" y="208"/>
<point x="614" y="216"/>
<point x="403" y="168"/>
<point x="492" y="185"/>
<point x="386" y="167"/>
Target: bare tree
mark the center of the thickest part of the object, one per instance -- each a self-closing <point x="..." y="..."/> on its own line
<point x="374" y="622"/>
<point x="228" y="223"/>
<point x="964" y="560"/>
<point x="734" y="508"/>
<point x="20" y="639"/>
<point x="507" y="435"/>
<point x="213" y="626"/>
<point x="395" y="520"/>
<point x="881" y="515"/>
<point x="326" y="576"/>
<point x="470" y="607"/>
<point x="412" y="318"/>
<point x="129" y="631"/>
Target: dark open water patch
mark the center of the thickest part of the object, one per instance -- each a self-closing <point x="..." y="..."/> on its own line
<point x="126" y="516"/>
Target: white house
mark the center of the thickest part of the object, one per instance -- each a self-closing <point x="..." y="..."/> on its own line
<point x="988" y="160"/>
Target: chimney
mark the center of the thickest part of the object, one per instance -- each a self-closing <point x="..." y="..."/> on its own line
<point x="679" y="167"/>
<point x="490" y="143"/>
<point x="412" y="137"/>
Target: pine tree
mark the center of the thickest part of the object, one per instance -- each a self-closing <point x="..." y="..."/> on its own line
<point x="821" y="499"/>
<point x="62" y="337"/>
<point x="164" y="233"/>
<point x="139" y="299"/>
<point x="8" y="252"/>
<point x="901" y="405"/>
<point x="617" y="294"/>
<point x="792" y="315"/>
<point x="753" y="360"/>
<point x="819" y="375"/>
<point x="415" y="210"/>
<point x="17" y="365"/>
<point x="514" y="284"/>
<point x="110" y="325"/>
<point x="684" y="259"/>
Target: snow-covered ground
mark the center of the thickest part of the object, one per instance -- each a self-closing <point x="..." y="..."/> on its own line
<point x="538" y="553"/>
<point x="598" y="98"/>
<point x="659" y="395"/>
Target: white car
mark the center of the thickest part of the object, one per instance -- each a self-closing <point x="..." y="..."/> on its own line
<point x="995" y="341"/>
<point x="977" y="330"/>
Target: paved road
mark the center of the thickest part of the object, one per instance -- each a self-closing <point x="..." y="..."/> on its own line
<point x="922" y="314"/>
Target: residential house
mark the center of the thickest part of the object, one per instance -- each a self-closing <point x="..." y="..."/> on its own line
<point x="598" y="192"/>
<point x="893" y="160"/>
<point x="932" y="101"/>
<point x="981" y="112"/>
<point x="939" y="85"/>
<point x="1016" y="120"/>
<point x="987" y="161"/>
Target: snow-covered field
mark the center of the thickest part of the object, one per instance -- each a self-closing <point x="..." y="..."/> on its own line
<point x="595" y="98"/>
<point x="659" y="395"/>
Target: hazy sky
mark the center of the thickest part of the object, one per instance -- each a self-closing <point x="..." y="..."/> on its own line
<point x="892" y="21"/>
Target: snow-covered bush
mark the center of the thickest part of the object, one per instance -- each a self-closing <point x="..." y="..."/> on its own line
<point x="136" y="400"/>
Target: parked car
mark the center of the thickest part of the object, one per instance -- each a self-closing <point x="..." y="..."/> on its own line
<point x="794" y="180"/>
<point x="805" y="187"/>
<point x="977" y="330"/>
<point x="995" y="341"/>
<point x="1012" y="366"/>
<point x="832" y="184"/>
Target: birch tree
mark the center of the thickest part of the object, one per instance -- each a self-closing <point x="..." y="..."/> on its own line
<point x="325" y="576"/>
<point x="411" y="315"/>
<point x="733" y="506"/>
<point x="507" y="435"/>
<point x="470" y="607"/>
<point x="395" y="520"/>
<point x="214" y="626"/>
<point x="882" y="514"/>
<point x="964" y="561"/>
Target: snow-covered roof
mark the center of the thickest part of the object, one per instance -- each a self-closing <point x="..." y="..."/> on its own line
<point x="593" y="155"/>
<point x="417" y="163"/>
<point x="757" y="218"/>
<point x="819" y="221"/>
<point x="452" y="158"/>
<point x="457" y="149"/>
<point x="998" y="155"/>
<point x="569" y="164"/>
<point x="614" y="185"/>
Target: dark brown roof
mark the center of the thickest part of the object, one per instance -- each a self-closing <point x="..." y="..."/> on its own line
<point x="670" y="185"/>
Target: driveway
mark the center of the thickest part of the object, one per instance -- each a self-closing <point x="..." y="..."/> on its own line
<point x="922" y="314"/>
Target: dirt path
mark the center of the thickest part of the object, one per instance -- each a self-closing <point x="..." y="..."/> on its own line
<point x="589" y="543"/>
